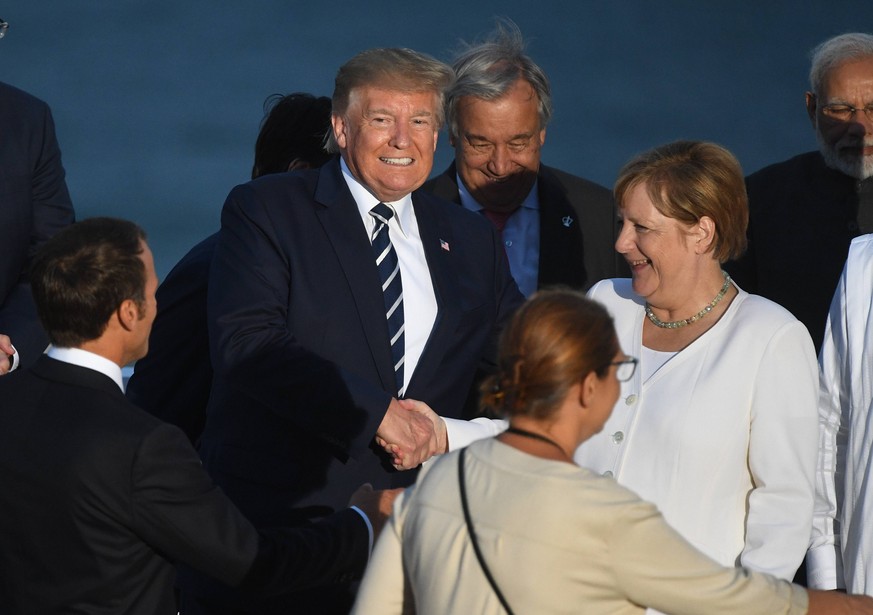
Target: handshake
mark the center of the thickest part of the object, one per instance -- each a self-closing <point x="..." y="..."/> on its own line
<point x="411" y="433"/>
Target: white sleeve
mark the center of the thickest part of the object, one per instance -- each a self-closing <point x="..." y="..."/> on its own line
<point x="824" y="563"/>
<point x="463" y="433"/>
<point x="783" y="443"/>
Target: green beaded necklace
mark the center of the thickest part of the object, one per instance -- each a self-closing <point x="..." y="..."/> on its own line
<point x="676" y="324"/>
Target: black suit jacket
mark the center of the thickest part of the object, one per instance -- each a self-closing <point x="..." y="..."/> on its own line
<point x="299" y="341"/>
<point x="99" y="498"/>
<point x="34" y="205"/>
<point x="802" y="218"/>
<point x="577" y="227"/>
<point x="173" y="380"/>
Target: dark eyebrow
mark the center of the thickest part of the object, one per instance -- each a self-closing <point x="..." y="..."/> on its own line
<point x="469" y="136"/>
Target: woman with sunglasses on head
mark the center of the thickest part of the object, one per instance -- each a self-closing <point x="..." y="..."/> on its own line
<point x="554" y="537"/>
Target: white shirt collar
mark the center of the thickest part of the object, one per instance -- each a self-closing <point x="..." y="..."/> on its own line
<point x="531" y="201"/>
<point x="89" y="360"/>
<point x="366" y="200"/>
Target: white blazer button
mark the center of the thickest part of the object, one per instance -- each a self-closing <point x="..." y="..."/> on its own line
<point x="630" y="399"/>
<point x="617" y="437"/>
<point x="608" y="473"/>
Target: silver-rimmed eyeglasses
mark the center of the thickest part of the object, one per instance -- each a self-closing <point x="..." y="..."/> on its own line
<point x="624" y="370"/>
<point x="846" y="113"/>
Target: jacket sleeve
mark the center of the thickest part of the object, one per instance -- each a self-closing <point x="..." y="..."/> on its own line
<point x="656" y="567"/>
<point x="782" y="452"/>
<point x="252" y="347"/>
<point x="179" y="512"/>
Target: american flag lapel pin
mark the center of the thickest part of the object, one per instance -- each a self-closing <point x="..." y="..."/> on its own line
<point x="445" y="245"/>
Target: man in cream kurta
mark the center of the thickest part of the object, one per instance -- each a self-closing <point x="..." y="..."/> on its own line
<point x="841" y="551"/>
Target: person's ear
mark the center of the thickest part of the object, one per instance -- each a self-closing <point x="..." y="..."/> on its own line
<point x="705" y="235"/>
<point x="588" y="389"/>
<point x="811" y="107"/>
<point x="128" y="314"/>
<point x="338" y="123"/>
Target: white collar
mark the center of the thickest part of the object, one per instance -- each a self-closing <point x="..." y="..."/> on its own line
<point x="366" y="200"/>
<point x="89" y="360"/>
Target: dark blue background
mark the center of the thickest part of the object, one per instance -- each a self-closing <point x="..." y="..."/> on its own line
<point x="158" y="103"/>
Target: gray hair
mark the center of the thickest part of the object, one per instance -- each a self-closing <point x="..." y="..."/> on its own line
<point x="397" y="69"/>
<point x="488" y="70"/>
<point x="836" y="51"/>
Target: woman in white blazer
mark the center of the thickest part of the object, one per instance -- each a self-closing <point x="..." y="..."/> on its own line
<point x="718" y="427"/>
<point x="554" y="537"/>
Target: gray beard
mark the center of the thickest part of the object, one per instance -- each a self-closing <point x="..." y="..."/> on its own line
<point x="859" y="168"/>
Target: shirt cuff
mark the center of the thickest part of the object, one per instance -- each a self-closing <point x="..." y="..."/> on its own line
<point x="461" y="433"/>
<point x="15" y="360"/>
<point x="824" y="568"/>
<point x="369" y="530"/>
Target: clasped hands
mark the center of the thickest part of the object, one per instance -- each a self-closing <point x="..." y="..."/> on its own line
<point x="411" y="433"/>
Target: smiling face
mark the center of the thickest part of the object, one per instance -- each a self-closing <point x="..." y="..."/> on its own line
<point x="846" y="145"/>
<point x="658" y="249"/>
<point x="497" y="150"/>
<point x="387" y="138"/>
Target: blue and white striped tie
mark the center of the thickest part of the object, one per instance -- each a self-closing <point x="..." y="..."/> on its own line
<point x="392" y="287"/>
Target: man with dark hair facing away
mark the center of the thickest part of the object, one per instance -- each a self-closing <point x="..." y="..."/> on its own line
<point x="99" y="498"/>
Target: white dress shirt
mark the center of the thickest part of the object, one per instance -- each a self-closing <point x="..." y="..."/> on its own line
<point x="419" y="300"/>
<point x="841" y="549"/>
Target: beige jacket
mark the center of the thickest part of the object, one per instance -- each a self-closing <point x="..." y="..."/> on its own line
<point x="557" y="538"/>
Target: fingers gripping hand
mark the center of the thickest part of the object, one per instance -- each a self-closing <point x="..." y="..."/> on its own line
<point x="408" y="435"/>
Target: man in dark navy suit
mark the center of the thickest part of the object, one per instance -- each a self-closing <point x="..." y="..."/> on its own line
<point x="34" y="205"/>
<point x="312" y="364"/>
<point x="99" y="498"/>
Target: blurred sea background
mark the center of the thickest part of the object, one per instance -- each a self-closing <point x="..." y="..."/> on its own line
<point x="158" y="103"/>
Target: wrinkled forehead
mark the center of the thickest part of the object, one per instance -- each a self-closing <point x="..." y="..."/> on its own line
<point x="850" y="77"/>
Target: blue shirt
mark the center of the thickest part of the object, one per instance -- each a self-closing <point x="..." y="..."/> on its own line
<point x="521" y="237"/>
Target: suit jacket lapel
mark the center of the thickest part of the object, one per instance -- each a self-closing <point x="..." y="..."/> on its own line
<point x="437" y="240"/>
<point x="558" y="224"/>
<point x="558" y="230"/>
<point x="338" y="214"/>
<point x="445" y="185"/>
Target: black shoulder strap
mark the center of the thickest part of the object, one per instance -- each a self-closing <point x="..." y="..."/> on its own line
<point x="472" y="533"/>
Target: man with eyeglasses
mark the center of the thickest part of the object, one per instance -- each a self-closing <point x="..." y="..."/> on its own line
<point x="805" y="211"/>
<point x="34" y="205"/>
<point x="557" y="228"/>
